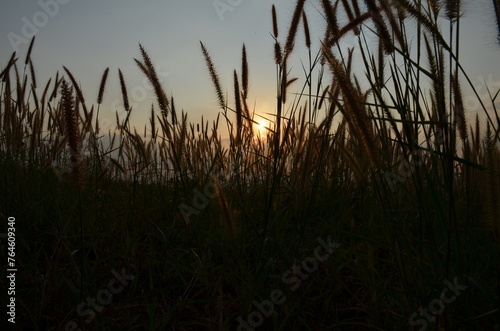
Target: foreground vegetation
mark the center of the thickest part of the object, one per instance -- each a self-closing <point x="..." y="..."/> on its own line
<point x="390" y="167"/>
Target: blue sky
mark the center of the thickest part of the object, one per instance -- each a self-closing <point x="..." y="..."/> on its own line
<point x="88" y="36"/>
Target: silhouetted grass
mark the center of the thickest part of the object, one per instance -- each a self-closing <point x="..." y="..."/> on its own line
<point x="394" y="171"/>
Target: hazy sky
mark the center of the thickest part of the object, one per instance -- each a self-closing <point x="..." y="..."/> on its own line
<point x="88" y="36"/>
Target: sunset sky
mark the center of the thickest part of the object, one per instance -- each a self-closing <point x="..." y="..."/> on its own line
<point x="88" y="36"/>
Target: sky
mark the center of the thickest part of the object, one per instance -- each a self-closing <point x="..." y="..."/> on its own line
<point x="89" y="36"/>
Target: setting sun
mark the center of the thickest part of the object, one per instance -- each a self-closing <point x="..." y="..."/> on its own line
<point x="261" y="128"/>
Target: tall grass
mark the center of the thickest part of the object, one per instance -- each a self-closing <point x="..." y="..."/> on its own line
<point x="387" y="163"/>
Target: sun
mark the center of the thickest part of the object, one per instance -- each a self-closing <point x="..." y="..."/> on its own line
<point x="261" y="125"/>
<point x="261" y="129"/>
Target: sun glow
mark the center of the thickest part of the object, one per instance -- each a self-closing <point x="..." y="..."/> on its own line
<point x="261" y="129"/>
<point x="262" y="125"/>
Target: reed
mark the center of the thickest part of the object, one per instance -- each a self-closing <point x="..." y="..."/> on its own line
<point x="28" y="53"/>
<point x="292" y="31"/>
<point x="123" y="86"/>
<point x="275" y="21"/>
<point x="278" y="57"/>
<point x="384" y="161"/>
<point x="72" y="132"/>
<point x="214" y="76"/>
<point x="150" y="72"/>
<point x="102" y="86"/>
<point x="239" y="111"/>
<point x="79" y="92"/>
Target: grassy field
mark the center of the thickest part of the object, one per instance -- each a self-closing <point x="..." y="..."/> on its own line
<point x="369" y="203"/>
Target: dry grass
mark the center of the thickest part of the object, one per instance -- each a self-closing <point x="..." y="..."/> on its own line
<point x="393" y="171"/>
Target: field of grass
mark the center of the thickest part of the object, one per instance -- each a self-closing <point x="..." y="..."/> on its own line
<point x="370" y="203"/>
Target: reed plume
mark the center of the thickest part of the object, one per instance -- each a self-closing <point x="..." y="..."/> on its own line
<point x="277" y="47"/>
<point x="353" y="109"/>
<point x="33" y="75"/>
<point x="496" y="6"/>
<point x="5" y="71"/>
<point x="331" y="39"/>
<point x="452" y="9"/>
<point x="307" y="35"/>
<point x="79" y="93"/>
<point x="292" y="31"/>
<point x="394" y="22"/>
<point x="244" y="72"/>
<point x="378" y="20"/>
<point x="150" y="72"/>
<point x="239" y="116"/>
<point x="424" y="21"/>
<point x="244" y="83"/>
<point x="214" y="76"/>
<point x="57" y="81"/>
<point x="275" y="22"/>
<point x="100" y="96"/>
<point x="331" y="19"/>
<point x="126" y="104"/>
<point x="348" y="11"/>
<point x="71" y="131"/>
<point x="30" y="48"/>
<point x="102" y="85"/>
<point x="278" y="57"/>
<point x="174" y="113"/>
<point x="153" y="123"/>
<point x="44" y="94"/>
